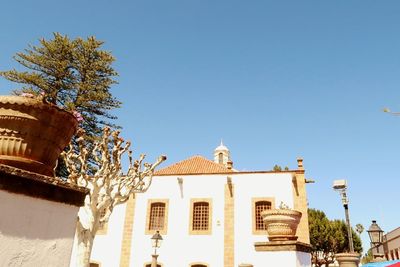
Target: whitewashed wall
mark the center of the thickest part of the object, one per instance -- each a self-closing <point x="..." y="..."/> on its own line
<point x="179" y="248"/>
<point x="248" y="186"/>
<point x="35" y="232"/>
<point x="107" y="248"/>
<point x="282" y="258"/>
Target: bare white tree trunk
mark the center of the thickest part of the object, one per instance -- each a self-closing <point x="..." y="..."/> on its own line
<point x="107" y="184"/>
<point x="85" y="244"/>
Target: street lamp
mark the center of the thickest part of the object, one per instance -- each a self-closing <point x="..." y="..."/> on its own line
<point x="341" y="186"/>
<point x="376" y="236"/>
<point x="156" y="241"/>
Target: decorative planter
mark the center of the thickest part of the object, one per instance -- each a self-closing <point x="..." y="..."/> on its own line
<point x="33" y="133"/>
<point x="348" y="259"/>
<point x="281" y="224"/>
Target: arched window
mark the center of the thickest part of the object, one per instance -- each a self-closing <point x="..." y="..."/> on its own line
<point x="157" y="216"/>
<point x="260" y="206"/>
<point x="149" y="265"/>
<point x="220" y="158"/>
<point x="198" y="265"/>
<point x="102" y="230"/>
<point x="200" y="216"/>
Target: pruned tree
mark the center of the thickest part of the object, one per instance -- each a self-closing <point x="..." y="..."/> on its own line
<point x="108" y="185"/>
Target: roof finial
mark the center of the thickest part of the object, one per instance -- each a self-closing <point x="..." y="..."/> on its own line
<point x="221" y="147"/>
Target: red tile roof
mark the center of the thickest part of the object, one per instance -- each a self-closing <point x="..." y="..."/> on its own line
<point x="193" y="165"/>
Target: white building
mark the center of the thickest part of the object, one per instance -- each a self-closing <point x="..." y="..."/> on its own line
<point x="208" y="214"/>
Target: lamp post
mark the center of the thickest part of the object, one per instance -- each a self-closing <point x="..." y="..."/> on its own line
<point x="341" y="187"/>
<point x="376" y="237"/>
<point x="156" y="241"/>
<point x="350" y="259"/>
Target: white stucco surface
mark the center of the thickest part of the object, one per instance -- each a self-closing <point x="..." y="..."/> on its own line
<point x="281" y="259"/>
<point x="247" y="187"/>
<point x="107" y="247"/>
<point x="179" y="248"/>
<point x="303" y="259"/>
<point x="35" y="232"/>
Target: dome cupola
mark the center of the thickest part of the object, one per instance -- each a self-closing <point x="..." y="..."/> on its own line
<point x="222" y="155"/>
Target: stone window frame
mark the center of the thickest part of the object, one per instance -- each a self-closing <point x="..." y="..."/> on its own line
<point x="210" y="212"/>
<point x="149" y="264"/>
<point x="163" y="231"/>
<point x="254" y="200"/>
<point x="103" y="228"/>
<point x="198" y="263"/>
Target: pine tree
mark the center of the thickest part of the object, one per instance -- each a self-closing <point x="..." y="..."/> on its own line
<point x="73" y="74"/>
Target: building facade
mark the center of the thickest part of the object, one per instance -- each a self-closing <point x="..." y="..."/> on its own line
<point x="208" y="214"/>
<point x="390" y="247"/>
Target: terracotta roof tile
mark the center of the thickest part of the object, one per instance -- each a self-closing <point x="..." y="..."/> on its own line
<point x="193" y="165"/>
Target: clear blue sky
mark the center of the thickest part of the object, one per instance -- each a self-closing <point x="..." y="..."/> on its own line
<point x="274" y="79"/>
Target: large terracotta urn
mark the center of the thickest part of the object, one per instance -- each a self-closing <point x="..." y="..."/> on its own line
<point x="33" y="133"/>
<point x="348" y="259"/>
<point x="281" y="224"/>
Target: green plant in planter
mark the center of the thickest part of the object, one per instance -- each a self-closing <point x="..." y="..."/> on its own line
<point x="281" y="223"/>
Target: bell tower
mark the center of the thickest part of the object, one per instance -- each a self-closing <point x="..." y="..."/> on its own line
<point x="222" y="155"/>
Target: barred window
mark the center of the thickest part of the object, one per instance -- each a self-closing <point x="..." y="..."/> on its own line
<point x="102" y="228"/>
<point x="102" y="214"/>
<point x="157" y="216"/>
<point x="200" y="216"/>
<point x="260" y="206"/>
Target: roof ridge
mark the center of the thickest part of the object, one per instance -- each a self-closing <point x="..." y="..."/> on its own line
<point x="196" y="164"/>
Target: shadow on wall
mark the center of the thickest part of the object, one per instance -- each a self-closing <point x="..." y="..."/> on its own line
<point x="33" y="218"/>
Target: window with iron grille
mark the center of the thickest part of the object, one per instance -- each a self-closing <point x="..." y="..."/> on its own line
<point x="200" y="216"/>
<point x="102" y="225"/>
<point x="157" y="216"/>
<point x="260" y="207"/>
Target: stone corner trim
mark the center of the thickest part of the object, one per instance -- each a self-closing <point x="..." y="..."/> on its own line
<point x="40" y="186"/>
<point x="282" y="246"/>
